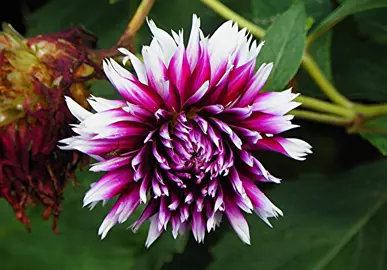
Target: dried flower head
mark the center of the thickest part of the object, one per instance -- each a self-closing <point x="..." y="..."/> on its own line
<point x="35" y="75"/>
<point x="182" y="139"/>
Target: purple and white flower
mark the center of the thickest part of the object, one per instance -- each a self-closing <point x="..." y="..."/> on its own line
<point x="182" y="139"/>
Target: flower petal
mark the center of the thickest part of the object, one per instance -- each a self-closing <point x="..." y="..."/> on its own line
<point x="237" y="221"/>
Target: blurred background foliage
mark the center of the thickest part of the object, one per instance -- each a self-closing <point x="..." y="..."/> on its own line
<point x="335" y="202"/>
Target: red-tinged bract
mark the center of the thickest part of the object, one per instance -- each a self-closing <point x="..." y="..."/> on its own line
<point x="35" y="75"/>
<point x="182" y="139"/>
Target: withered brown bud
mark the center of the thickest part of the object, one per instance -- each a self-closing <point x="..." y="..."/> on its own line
<point x="35" y="75"/>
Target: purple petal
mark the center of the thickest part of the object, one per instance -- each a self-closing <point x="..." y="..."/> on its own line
<point x="111" y="184"/>
<point x="212" y="109"/>
<point x="277" y="103"/>
<point x="203" y="124"/>
<point x="112" y="163"/>
<point x="236" y="114"/>
<point x="121" y="210"/>
<point x="175" y="226"/>
<point x="144" y="188"/>
<point x="193" y="48"/>
<point x="122" y="129"/>
<point x="290" y="147"/>
<point x="156" y="71"/>
<point x="266" y="123"/>
<point x="150" y="210"/>
<point x="202" y="71"/>
<point x="141" y="156"/>
<point x="237" y="82"/>
<point x="153" y="232"/>
<point x="255" y="85"/>
<point x="247" y="135"/>
<point x="131" y="89"/>
<point x="263" y="206"/>
<point x="198" y="226"/>
<point x="137" y="65"/>
<point x="236" y="182"/>
<point x="198" y="95"/>
<point x="237" y="221"/>
<point x="164" y="214"/>
<point x="179" y="70"/>
<point x="128" y="202"/>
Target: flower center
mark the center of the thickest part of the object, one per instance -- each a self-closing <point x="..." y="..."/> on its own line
<point x="196" y="149"/>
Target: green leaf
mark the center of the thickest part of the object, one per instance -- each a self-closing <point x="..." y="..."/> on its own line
<point x="368" y="249"/>
<point x="265" y="12"/>
<point x="378" y="138"/>
<point x="284" y="45"/>
<point x="323" y="217"/>
<point x="373" y="24"/>
<point x="78" y="246"/>
<point x="347" y="8"/>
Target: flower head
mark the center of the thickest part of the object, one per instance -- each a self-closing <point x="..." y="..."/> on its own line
<point x="35" y="75"/>
<point x="182" y="139"/>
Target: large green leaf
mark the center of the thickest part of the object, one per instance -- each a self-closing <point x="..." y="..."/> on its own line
<point x="265" y="12"/>
<point x="377" y="134"/>
<point x="347" y="8"/>
<point x="368" y="249"/>
<point x="284" y="45"/>
<point x="78" y="246"/>
<point x="324" y="216"/>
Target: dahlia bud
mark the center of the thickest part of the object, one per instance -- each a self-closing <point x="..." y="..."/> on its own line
<point x="35" y="75"/>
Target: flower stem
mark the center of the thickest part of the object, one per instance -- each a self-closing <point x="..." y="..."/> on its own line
<point x="323" y="106"/>
<point x="126" y="39"/>
<point x="135" y="23"/>
<point x="314" y="35"/>
<point x="228" y="14"/>
<point x="371" y="111"/>
<point x="322" y="118"/>
<point x="325" y="85"/>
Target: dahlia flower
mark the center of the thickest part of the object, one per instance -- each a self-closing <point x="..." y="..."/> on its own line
<point x="182" y="139"/>
<point x="35" y="75"/>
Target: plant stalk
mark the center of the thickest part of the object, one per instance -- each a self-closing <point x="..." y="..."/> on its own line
<point x="321" y="118"/>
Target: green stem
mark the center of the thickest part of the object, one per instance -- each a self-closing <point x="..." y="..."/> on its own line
<point x="323" y="106"/>
<point x="228" y="14"/>
<point x="316" y="34"/>
<point x="135" y="23"/>
<point x="325" y="85"/>
<point x="320" y="117"/>
<point x="371" y="111"/>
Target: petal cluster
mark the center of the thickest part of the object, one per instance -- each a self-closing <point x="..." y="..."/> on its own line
<point x="182" y="138"/>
